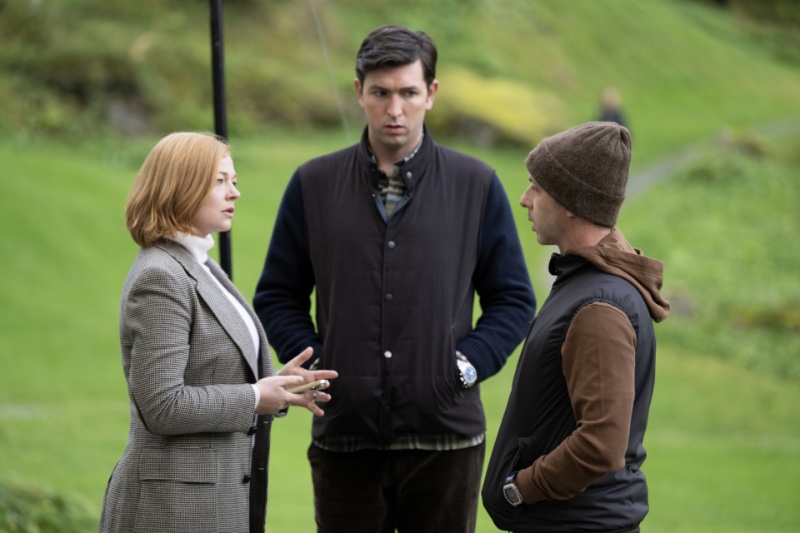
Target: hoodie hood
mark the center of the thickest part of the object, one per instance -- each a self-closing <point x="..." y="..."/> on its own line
<point x="614" y="255"/>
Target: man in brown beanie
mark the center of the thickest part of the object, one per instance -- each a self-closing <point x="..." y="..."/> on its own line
<point x="569" y="450"/>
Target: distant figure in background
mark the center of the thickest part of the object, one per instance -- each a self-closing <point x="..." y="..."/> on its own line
<point x="610" y="107"/>
<point x="393" y="238"/>
<point x="569" y="451"/>
<point x="195" y="358"/>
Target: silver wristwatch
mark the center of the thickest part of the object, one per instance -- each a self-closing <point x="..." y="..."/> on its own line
<point x="511" y="492"/>
<point x="466" y="371"/>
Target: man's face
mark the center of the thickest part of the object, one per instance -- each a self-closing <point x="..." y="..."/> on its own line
<point x="548" y="216"/>
<point x="395" y="101"/>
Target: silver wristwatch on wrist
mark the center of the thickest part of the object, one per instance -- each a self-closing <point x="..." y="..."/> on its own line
<point x="466" y="371"/>
<point x="511" y="492"/>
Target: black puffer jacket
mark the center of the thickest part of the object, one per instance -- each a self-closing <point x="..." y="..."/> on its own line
<point x="578" y="408"/>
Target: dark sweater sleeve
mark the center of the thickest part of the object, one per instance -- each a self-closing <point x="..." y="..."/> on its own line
<point x="283" y="294"/>
<point x="504" y="289"/>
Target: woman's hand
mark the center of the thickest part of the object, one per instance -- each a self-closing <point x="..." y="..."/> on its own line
<point x="275" y="393"/>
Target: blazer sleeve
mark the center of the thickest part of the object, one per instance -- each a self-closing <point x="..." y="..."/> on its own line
<point x="167" y="330"/>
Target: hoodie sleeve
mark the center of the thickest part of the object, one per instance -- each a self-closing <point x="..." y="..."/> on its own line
<point x="598" y="359"/>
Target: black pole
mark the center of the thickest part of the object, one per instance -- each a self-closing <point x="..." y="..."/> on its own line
<point x="220" y="117"/>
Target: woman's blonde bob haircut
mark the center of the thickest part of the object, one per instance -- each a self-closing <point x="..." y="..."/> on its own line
<point x="176" y="177"/>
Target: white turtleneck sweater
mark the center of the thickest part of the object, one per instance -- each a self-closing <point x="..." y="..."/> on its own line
<point x="199" y="247"/>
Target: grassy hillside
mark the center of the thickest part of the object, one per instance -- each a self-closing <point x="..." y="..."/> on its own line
<point x="516" y="68"/>
<point x="724" y="227"/>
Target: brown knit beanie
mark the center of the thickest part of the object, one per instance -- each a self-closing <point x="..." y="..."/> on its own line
<point x="585" y="169"/>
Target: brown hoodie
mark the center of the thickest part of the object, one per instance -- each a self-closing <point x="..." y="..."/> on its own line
<point x="616" y="256"/>
<point x="598" y="358"/>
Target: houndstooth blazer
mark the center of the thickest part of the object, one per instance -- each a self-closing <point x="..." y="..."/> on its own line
<point x="188" y="358"/>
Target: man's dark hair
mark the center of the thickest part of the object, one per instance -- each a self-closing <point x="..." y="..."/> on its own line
<point x="396" y="46"/>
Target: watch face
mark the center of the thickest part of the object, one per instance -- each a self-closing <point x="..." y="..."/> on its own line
<point x="469" y="374"/>
<point x="512" y="495"/>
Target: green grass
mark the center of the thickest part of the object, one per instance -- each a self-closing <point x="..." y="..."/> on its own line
<point x="723" y="439"/>
<point x="722" y="447"/>
<point x="724" y="227"/>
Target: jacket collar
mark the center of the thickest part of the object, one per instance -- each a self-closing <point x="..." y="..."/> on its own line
<point x="225" y="313"/>
<point x="414" y="169"/>
<point x="563" y="266"/>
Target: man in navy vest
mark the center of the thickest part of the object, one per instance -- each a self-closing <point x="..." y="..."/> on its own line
<point x="395" y="236"/>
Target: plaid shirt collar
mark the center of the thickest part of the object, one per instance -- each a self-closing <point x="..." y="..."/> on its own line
<point x="403" y="161"/>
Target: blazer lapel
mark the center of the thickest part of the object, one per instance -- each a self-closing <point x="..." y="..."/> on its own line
<point x="223" y="278"/>
<point x="218" y="303"/>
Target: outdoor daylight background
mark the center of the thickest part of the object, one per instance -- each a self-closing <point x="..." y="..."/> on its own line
<point x="711" y="90"/>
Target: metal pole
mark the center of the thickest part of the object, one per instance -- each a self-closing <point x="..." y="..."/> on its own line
<point x="220" y="117"/>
